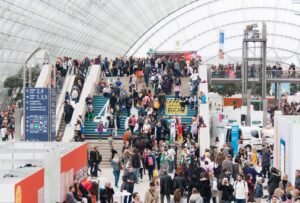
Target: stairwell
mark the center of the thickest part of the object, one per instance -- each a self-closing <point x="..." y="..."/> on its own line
<point x="104" y="149"/>
<point x="99" y="102"/>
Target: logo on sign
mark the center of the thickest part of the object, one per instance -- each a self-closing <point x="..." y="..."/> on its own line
<point x="18" y="194"/>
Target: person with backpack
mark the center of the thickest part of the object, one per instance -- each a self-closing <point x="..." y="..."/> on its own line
<point x="150" y="164"/>
<point x="240" y="190"/>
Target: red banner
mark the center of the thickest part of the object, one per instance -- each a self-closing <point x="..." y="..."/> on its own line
<point x="237" y="102"/>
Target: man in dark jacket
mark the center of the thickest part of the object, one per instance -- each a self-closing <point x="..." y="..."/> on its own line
<point x="128" y="182"/>
<point x="180" y="182"/>
<point x="227" y="191"/>
<point x="266" y="162"/>
<point x="166" y="187"/>
<point x="95" y="159"/>
<point x="136" y="164"/>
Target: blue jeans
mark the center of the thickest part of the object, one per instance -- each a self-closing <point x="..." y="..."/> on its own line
<point x="117" y="176"/>
<point x="177" y="95"/>
<point x="240" y="200"/>
<point x="171" y="166"/>
<point x="136" y="172"/>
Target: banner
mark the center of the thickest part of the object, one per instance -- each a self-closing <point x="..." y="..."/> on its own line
<point x="221" y="44"/>
<point x="173" y="107"/>
<point x="237" y="102"/>
<point x="235" y="138"/>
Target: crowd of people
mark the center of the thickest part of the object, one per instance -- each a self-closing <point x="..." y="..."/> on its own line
<point x="179" y="173"/>
<point x="146" y="104"/>
<point x="7" y="121"/>
<point x="235" y="71"/>
<point x="292" y="108"/>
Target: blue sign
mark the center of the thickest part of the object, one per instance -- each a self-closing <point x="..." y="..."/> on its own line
<point x="221" y="37"/>
<point x="36" y="114"/>
<point x="53" y="115"/>
<point x="235" y="138"/>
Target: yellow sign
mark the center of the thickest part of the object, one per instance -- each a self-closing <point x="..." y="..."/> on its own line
<point x="173" y="107"/>
<point x="18" y="194"/>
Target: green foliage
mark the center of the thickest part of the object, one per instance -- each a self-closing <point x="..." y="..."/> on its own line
<point x="13" y="82"/>
<point x="226" y="90"/>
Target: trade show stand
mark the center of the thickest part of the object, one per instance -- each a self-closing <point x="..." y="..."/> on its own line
<point x="22" y="185"/>
<point x="286" y="144"/>
<point x="62" y="164"/>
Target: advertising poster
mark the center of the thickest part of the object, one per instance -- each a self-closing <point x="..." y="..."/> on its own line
<point x="235" y="138"/>
<point x="173" y="107"/>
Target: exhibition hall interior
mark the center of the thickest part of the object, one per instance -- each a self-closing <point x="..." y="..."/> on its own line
<point x="149" y="101"/>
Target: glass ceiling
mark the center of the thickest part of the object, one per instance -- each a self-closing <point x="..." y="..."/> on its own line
<point x="79" y="28"/>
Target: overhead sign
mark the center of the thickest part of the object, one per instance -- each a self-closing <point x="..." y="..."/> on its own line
<point x="235" y="138"/>
<point x="37" y="114"/>
<point x="173" y="107"/>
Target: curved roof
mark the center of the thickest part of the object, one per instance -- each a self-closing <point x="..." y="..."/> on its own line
<point x="78" y="28"/>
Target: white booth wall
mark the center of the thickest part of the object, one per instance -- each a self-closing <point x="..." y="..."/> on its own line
<point x="286" y="147"/>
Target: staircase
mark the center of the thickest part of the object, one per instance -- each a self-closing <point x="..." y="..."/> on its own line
<point x="99" y="102"/>
<point x="104" y="150"/>
<point x="91" y="126"/>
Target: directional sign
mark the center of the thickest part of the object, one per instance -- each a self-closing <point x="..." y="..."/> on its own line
<point x="36" y="114"/>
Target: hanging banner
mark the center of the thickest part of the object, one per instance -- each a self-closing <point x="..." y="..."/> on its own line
<point x="235" y="138"/>
<point x="221" y="44"/>
<point x="237" y="102"/>
<point x="36" y="114"/>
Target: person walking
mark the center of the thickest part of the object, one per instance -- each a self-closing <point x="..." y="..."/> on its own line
<point x="166" y="187"/>
<point x="273" y="181"/>
<point x="136" y="164"/>
<point x="240" y="190"/>
<point x="227" y="191"/>
<point x="128" y="183"/>
<point x="116" y="165"/>
<point x="205" y="188"/>
<point x="150" y="164"/>
<point x="266" y="162"/>
<point x="95" y="159"/>
<point x="151" y="196"/>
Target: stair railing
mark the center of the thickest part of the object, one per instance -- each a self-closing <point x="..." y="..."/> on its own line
<point x="104" y="109"/>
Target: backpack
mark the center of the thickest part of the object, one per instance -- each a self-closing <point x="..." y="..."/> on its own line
<point x="150" y="161"/>
<point x="156" y="104"/>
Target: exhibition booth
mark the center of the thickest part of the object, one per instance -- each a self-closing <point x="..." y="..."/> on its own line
<point x="22" y="185"/>
<point x="62" y="164"/>
<point x="286" y="147"/>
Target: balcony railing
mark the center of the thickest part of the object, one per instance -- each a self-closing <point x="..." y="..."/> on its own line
<point x="270" y="74"/>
